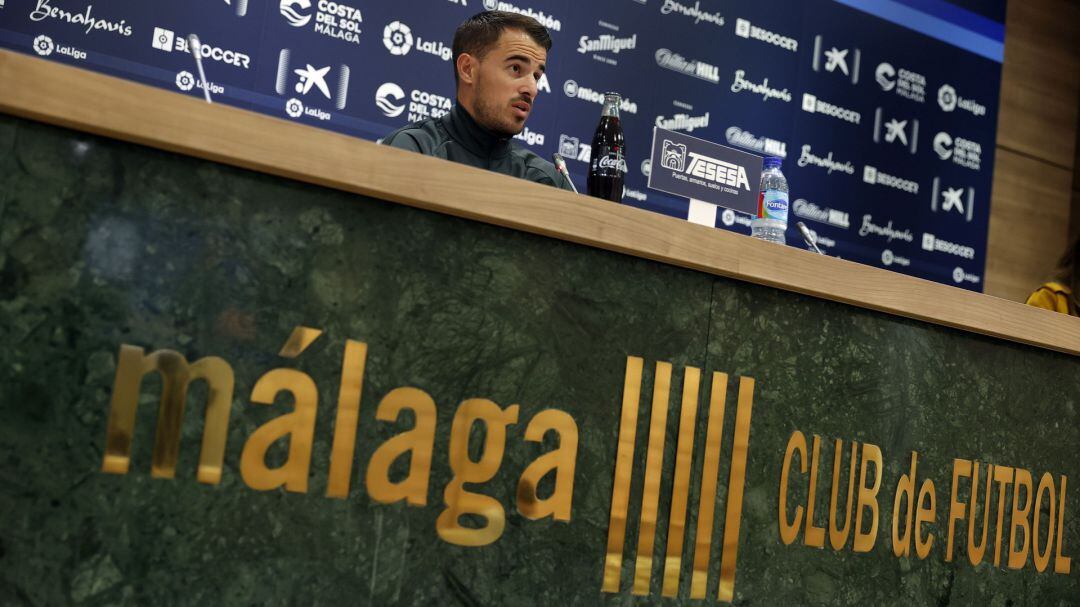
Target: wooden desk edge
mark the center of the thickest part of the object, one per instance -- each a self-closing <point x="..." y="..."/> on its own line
<point x="49" y="92"/>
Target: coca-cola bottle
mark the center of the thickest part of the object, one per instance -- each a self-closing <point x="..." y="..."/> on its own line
<point x="607" y="170"/>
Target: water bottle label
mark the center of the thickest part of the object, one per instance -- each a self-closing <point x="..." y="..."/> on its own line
<point x="773" y="204"/>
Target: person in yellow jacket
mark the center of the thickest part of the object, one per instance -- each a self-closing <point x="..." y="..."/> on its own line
<point x="1063" y="293"/>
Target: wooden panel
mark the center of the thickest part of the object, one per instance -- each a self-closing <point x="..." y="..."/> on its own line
<point x="1036" y="147"/>
<point x="1074" y="217"/>
<point x="108" y="106"/>
<point x="1028" y="224"/>
<point x="1040" y="80"/>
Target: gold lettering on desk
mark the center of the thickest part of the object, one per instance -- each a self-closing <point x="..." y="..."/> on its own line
<point x="684" y="457"/>
<point x="917" y="507"/>
<point x="472" y="518"/>
<point x="418" y="443"/>
<point x="561" y="461"/>
<point x="680" y="487"/>
<point x="710" y="471"/>
<point x="654" y="464"/>
<point x="176" y="375"/>
<point x="297" y="427"/>
<point x="1026" y="532"/>
<point x="790" y="526"/>
<point x="1036" y="517"/>
<point x="459" y="501"/>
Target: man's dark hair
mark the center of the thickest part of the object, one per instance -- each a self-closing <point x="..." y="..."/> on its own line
<point x="477" y="34"/>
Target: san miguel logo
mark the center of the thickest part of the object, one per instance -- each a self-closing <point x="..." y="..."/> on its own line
<point x="469" y="517"/>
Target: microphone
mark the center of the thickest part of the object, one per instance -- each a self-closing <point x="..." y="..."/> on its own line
<point x="193" y="42"/>
<point x="808" y="237"/>
<point x="560" y="166"/>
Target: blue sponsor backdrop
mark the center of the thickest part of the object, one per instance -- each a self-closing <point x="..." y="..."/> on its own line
<point x="885" y="110"/>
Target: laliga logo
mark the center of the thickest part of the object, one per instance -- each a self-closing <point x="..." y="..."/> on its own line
<point x="946" y="97"/>
<point x="185" y="81"/>
<point x="388" y="98"/>
<point x="294" y="108"/>
<point x="570" y="87"/>
<point x="397" y="38"/>
<point x="43" y="45"/>
<point x="295" y="17"/>
<point x="491" y="4"/>
<point x="728" y="217"/>
<point x="886" y="77"/>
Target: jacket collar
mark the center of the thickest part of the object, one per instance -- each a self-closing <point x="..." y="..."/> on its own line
<point x="1058" y="287"/>
<point x="475" y="138"/>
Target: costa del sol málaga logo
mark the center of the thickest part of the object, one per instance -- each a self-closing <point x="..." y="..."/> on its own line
<point x="398" y="38"/>
<point x="389" y="99"/>
<point x="294" y="12"/>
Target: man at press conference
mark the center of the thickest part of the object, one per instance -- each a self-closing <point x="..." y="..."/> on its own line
<point x="498" y="60"/>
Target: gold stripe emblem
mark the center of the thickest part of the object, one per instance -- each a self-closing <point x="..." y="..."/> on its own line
<point x="654" y="472"/>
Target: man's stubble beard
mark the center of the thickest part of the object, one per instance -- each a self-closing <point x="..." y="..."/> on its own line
<point x="488" y="116"/>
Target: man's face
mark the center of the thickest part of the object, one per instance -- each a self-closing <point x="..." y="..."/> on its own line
<point x="506" y="82"/>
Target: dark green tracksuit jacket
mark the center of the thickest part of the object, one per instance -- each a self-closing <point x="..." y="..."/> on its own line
<point x="457" y="137"/>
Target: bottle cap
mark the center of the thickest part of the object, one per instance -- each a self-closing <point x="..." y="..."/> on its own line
<point x="772" y="162"/>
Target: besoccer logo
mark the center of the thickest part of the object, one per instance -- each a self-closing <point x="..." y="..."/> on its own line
<point x="294" y="108"/>
<point x="742" y="28"/>
<point x="389" y="99"/>
<point x="397" y="38"/>
<point x="946" y="97"/>
<point x="163" y="39"/>
<point x="295" y="13"/>
<point x="43" y="45"/>
<point x="185" y="81"/>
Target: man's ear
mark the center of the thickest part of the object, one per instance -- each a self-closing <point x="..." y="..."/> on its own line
<point x="467" y="66"/>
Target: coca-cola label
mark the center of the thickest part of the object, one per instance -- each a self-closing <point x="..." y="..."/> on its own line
<point x="613" y="160"/>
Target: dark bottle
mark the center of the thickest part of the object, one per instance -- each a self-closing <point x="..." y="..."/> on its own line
<point x="607" y="169"/>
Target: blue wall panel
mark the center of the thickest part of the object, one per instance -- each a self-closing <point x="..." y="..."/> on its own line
<point x="885" y="109"/>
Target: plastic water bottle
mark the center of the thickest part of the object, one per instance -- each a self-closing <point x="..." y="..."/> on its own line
<point x="771" y="221"/>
